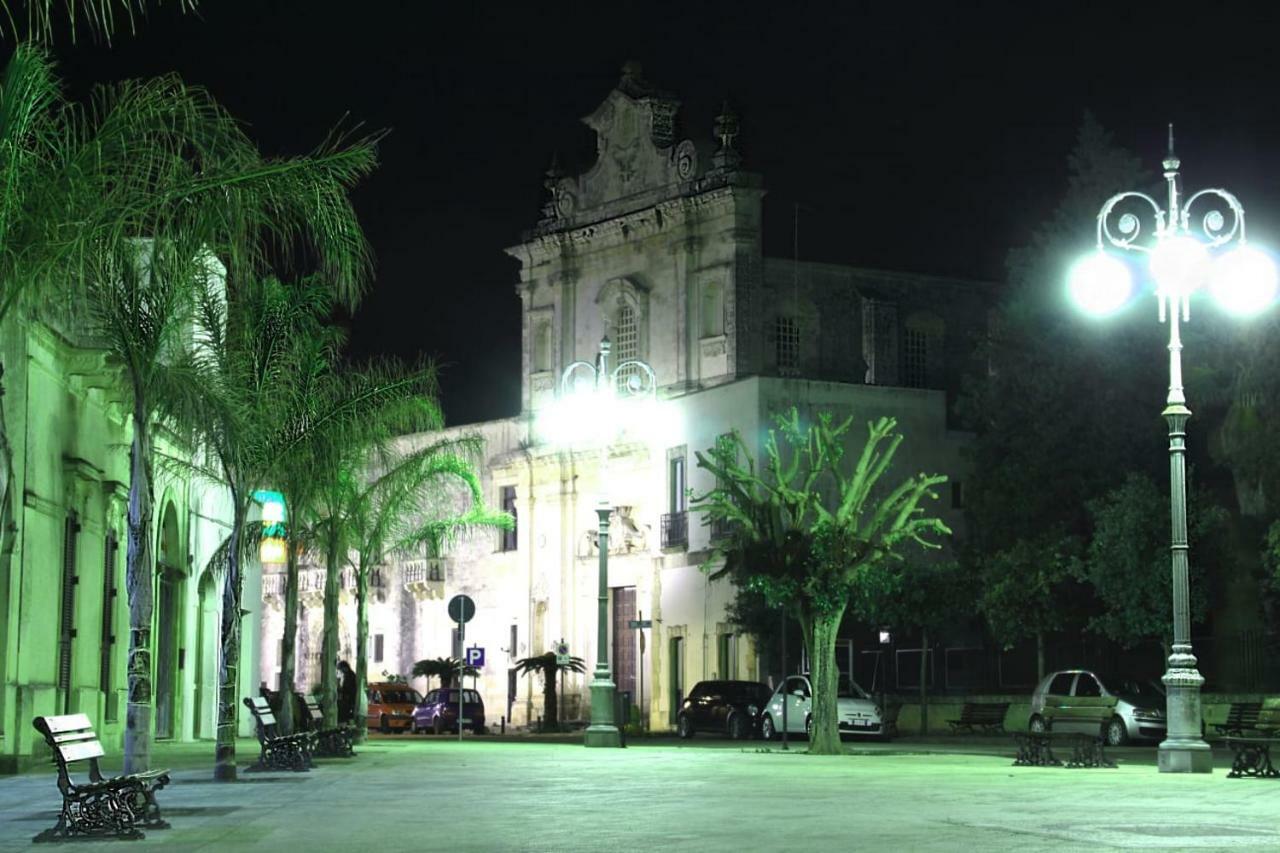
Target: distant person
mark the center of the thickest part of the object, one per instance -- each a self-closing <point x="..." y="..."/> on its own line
<point x="346" y="693"/>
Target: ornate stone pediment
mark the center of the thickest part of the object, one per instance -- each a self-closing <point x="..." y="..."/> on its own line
<point x="626" y="535"/>
<point x="636" y="149"/>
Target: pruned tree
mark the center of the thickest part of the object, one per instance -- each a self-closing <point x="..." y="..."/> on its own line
<point x="807" y="528"/>
<point x="548" y="666"/>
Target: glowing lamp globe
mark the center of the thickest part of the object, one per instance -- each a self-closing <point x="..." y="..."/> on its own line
<point x="1243" y="281"/>
<point x="1100" y="284"/>
<point x="1181" y="263"/>
<point x="272" y="551"/>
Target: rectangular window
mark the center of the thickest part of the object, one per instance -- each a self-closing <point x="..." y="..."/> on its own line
<point x="508" y="502"/>
<point x="786" y="345"/>
<point x="676" y="485"/>
<point x="107" y="645"/>
<point x="727" y="656"/>
<point x="377" y="648"/>
<point x="915" y="358"/>
<point x="67" y="616"/>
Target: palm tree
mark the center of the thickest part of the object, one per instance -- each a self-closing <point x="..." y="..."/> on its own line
<point x="249" y="341"/>
<point x="225" y="203"/>
<point x="102" y="18"/>
<point x="412" y="497"/>
<point x="446" y="669"/>
<point x="548" y="666"/>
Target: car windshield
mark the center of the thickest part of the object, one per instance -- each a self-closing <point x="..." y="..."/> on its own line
<point x="1141" y="688"/>
<point x="746" y="692"/>
<point x="450" y="697"/>
<point x="402" y="696"/>
<point x="850" y="689"/>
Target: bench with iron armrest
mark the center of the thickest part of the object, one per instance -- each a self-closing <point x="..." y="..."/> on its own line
<point x="1240" y="718"/>
<point x="987" y="716"/>
<point x="101" y="806"/>
<point x="330" y="743"/>
<point x="1087" y="750"/>
<point x="279" y="752"/>
<point x="1251" y="751"/>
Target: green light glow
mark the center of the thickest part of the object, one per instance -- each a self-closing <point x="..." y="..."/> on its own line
<point x="1099" y="284"/>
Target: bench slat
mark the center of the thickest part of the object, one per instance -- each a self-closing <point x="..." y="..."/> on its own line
<point x="72" y="737"/>
<point x="66" y="723"/>
<point x="80" y="750"/>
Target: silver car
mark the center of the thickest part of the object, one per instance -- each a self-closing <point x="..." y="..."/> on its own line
<point x="1139" y="704"/>
<point x="857" y="713"/>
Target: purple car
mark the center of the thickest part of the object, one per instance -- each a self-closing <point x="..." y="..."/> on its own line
<point x="439" y="712"/>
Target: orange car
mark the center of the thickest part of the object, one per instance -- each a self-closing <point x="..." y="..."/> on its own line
<point x="391" y="706"/>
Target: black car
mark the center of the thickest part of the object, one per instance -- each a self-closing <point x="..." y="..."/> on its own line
<point x="724" y="707"/>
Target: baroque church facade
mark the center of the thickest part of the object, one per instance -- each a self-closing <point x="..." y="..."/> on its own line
<point x="657" y="246"/>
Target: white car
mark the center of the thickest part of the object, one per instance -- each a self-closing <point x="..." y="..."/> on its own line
<point x="857" y="711"/>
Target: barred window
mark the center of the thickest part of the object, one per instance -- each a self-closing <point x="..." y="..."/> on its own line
<point x="786" y="345"/>
<point x="626" y="344"/>
<point x="915" y="358"/>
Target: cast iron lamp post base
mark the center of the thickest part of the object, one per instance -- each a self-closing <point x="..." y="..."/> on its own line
<point x="602" y="731"/>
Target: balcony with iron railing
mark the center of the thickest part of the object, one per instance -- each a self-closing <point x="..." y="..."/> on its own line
<point x="719" y="529"/>
<point x="675" y="530"/>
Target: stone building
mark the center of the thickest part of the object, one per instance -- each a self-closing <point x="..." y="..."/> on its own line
<point x="64" y="615"/>
<point x="658" y="245"/>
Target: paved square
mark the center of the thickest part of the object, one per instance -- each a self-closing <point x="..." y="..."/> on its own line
<point x="485" y="795"/>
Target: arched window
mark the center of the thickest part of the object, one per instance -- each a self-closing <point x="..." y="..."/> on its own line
<point x="626" y="340"/>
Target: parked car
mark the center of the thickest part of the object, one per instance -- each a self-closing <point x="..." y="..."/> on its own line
<point x="391" y="706"/>
<point x="725" y="707"/>
<point x="439" y="712"/>
<point x="857" y="711"/>
<point x="1139" y="704"/>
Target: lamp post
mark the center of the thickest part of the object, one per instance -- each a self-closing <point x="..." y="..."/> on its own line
<point x="1244" y="282"/>
<point x="595" y="405"/>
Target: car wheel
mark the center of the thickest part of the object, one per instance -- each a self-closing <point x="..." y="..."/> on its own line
<point x="1115" y="733"/>
<point x="384" y="725"/>
<point x="684" y="727"/>
<point x="808" y="727"/>
<point x="1037" y="726"/>
<point x="767" y="731"/>
<point x="739" y="727"/>
<point x="437" y="726"/>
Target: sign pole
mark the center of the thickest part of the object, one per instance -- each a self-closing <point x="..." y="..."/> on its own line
<point x="644" y="718"/>
<point x="462" y="664"/>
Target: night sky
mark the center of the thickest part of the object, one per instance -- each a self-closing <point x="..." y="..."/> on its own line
<point x="926" y="137"/>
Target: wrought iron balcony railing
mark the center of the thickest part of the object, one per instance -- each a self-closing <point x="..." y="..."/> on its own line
<point x="675" y="529"/>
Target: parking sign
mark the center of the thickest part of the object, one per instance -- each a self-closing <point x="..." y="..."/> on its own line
<point x="475" y="657"/>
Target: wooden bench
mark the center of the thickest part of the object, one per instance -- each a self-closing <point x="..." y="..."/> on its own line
<point x="278" y="752"/>
<point x="987" y="716"/>
<point x="101" y="806"/>
<point x="1087" y="748"/>
<point x="1251" y="753"/>
<point x="329" y="743"/>
<point x="1240" y="718"/>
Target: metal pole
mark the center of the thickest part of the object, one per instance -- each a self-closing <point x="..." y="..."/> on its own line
<point x="602" y="731"/>
<point x="462" y="646"/>
<point x="644" y="718"/>
<point x="786" y="697"/>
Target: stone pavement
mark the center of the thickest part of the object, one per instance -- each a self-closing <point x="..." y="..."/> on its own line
<point x="427" y="794"/>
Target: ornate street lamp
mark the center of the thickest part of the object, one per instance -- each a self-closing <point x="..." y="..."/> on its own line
<point x="1181" y="260"/>
<point x="595" y="406"/>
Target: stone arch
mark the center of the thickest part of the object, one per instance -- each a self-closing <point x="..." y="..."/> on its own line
<point x="206" y="662"/>
<point x="170" y="583"/>
<point x="621" y="300"/>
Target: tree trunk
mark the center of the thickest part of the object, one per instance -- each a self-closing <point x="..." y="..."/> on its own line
<point x="1039" y="656"/>
<point x="329" y="633"/>
<point x="924" y="674"/>
<point x="139" y="580"/>
<point x="288" y="642"/>
<point x="224" y="767"/>
<point x="362" y="654"/>
<point x="550" y="701"/>
<point x="825" y="675"/>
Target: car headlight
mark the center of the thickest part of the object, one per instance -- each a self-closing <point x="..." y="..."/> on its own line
<point x="1147" y="714"/>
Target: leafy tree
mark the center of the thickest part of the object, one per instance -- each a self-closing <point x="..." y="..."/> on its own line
<point x="1025" y="590"/>
<point x="807" y="530"/>
<point x="446" y="669"/>
<point x="1127" y="560"/>
<point x="410" y="498"/>
<point x="547" y="666"/>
